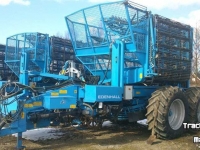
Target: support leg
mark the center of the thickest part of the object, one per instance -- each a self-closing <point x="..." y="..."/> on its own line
<point x="19" y="141"/>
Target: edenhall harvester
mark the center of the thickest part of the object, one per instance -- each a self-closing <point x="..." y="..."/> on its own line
<point x="136" y="65"/>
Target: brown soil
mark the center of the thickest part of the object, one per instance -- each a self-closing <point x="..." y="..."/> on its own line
<point x="123" y="137"/>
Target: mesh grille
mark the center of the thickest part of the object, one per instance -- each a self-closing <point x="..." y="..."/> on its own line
<point x="100" y="25"/>
<point x="174" y="50"/>
<point x="34" y="44"/>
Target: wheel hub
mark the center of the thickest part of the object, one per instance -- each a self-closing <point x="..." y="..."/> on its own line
<point x="176" y="114"/>
<point x="170" y="113"/>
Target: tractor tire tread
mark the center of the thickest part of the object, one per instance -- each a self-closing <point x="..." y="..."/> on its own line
<point x="156" y="113"/>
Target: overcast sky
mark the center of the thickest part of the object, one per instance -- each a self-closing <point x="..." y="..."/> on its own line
<point x="47" y="16"/>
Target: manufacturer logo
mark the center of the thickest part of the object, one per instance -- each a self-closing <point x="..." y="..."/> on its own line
<point x="108" y="97"/>
<point x="62" y="102"/>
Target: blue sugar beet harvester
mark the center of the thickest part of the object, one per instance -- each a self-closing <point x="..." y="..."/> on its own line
<point x="134" y="65"/>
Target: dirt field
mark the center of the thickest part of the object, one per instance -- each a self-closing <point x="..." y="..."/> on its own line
<point x="123" y="137"/>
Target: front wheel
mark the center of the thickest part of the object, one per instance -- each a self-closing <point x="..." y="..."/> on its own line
<point x="166" y="112"/>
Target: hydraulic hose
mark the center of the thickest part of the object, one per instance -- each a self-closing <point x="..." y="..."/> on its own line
<point x="89" y="107"/>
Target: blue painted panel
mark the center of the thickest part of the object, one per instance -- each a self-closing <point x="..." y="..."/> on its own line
<point x="102" y="94"/>
<point x="59" y="102"/>
<point x="68" y="90"/>
<point x="81" y="93"/>
<point x="143" y="91"/>
<point x="133" y="75"/>
<point x="63" y="98"/>
<point x="9" y="131"/>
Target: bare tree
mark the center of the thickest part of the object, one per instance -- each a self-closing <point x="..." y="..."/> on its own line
<point x="58" y="34"/>
<point x="63" y="35"/>
<point x="196" y="51"/>
<point x="67" y="36"/>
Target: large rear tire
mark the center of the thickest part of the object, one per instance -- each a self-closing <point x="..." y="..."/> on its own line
<point x="166" y="112"/>
<point x="193" y="96"/>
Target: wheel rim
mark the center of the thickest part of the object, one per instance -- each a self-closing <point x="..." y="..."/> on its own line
<point x="176" y="114"/>
<point x="198" y="112"/>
